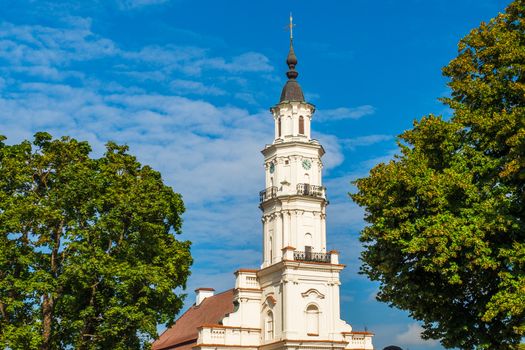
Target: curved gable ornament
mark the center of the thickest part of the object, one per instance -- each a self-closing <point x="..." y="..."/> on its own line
<point x="313" y="292"/>
<point x="270" y="301"/>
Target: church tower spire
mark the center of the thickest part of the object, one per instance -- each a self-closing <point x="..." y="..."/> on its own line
<point x="294" y="201"/>
<point x="299" y="277"/>
<point x="291" y="60"/>
<point x="292" y="90"/>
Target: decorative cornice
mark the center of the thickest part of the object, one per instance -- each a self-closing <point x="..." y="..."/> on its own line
<point x="220" y="326"/>
<point x="288" y="248"/>
<point x="310" y="144"/>
<point x="241" y="289"/>
<point x="246" y="270"/>
<point x="307" y="265"/>
<point x="225" y="346"/>
<point x="358" y="332"/>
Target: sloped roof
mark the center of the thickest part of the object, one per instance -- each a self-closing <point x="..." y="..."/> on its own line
<point x="183" y="334"/>
<point x="292" y="91"/>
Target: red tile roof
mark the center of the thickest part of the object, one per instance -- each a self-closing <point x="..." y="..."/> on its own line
<point x="183" y="334"/>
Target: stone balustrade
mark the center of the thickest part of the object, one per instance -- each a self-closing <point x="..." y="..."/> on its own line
<point x="231" y="336"/>
<point x="359" y="340"/>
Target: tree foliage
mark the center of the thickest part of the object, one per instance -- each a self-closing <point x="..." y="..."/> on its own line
<point x="446" y="234"/>
<point x="88" y="256"/>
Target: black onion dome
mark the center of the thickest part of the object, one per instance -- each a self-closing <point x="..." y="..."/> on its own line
<point x="392" y="347"/>
<point x="292" y="90"/>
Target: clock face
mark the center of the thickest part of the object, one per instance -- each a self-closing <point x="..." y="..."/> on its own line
<point x="307" y="164"/>
<point x="272" y="168"/>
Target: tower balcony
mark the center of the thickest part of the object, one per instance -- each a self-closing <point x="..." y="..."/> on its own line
<point x="268" y="193"/>
<point x="312" y="256"/>
<point x="311" y="190"/>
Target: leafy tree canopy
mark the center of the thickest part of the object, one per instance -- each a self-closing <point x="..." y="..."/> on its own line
<point x="446" y="234"/>
<point x="88" y="256"/>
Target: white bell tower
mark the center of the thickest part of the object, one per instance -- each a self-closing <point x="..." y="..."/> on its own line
<point x="299" y="278"/>
<point x="294" y="200"/>
<point x="292" y="301"/>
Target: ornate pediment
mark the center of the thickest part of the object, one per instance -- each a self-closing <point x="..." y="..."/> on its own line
<point x="313" y="292"/>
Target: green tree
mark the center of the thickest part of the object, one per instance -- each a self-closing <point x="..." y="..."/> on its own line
<point x="446" y="233"/>
<point x="88" y="256"/>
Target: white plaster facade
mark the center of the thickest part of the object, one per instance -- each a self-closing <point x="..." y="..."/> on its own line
<point x="292" y="301"/>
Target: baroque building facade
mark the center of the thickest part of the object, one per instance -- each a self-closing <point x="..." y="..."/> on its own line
<point x="292" y="301"/>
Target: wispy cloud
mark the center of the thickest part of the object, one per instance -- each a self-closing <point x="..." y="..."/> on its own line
<point x="247" y="62"/>
<point x="184" y="87"/>
<point x="50" y="52"/>
<point x="341" y="113"/>
<point x="42" y="46"/>
<point x="136" y="4"/>
<point x="412" y="336"/>
<point x="367" y="140"/>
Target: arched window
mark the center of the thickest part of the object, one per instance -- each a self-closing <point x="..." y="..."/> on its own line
<point x="279" y="126"/>
<point x="269" y="326"/>
<point x="301" y="125"/>
<point x="288" y="126"/>
<point x="312" y="320"/>
<point x="308" y="240"/>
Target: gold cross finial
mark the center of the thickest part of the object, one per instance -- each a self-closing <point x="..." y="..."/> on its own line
<point x="291" y="25"/>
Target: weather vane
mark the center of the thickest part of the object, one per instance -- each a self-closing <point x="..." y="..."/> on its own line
<point x="291" y="25"/>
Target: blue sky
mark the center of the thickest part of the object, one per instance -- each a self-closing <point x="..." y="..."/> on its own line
<point x="187" y="85"/>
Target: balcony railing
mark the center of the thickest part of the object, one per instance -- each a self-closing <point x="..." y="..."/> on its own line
<point x="311" y="256"/>
<point x="310" y="190"/>
<point x="268" y="193"/>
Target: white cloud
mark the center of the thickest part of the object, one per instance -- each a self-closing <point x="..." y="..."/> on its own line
<point x="193" y="60"/>
<point x="194" y="87"/>
<point x="332" y="146"/>
<point x="327" y="115"/>
<point x="372" y="295"/>
<point x="412" y="336"/>
<point x="206" y="150"/>
<point x="246" y="97"/>
<point x="247" y="62"/>
<point x="134" y="4"/>
<point x="370" y="163"/>
<point x="49" y="51"/>
<point x="37" y="45"/>
<point x="367" y="140"/>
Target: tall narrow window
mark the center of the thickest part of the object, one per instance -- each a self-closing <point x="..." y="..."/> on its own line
<point x="312" y="320"/>
<point x="279" y="126"/>
<point x="271" y="250"/>
<point x="269" y="326"/>
<point x="301" y="125"/>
